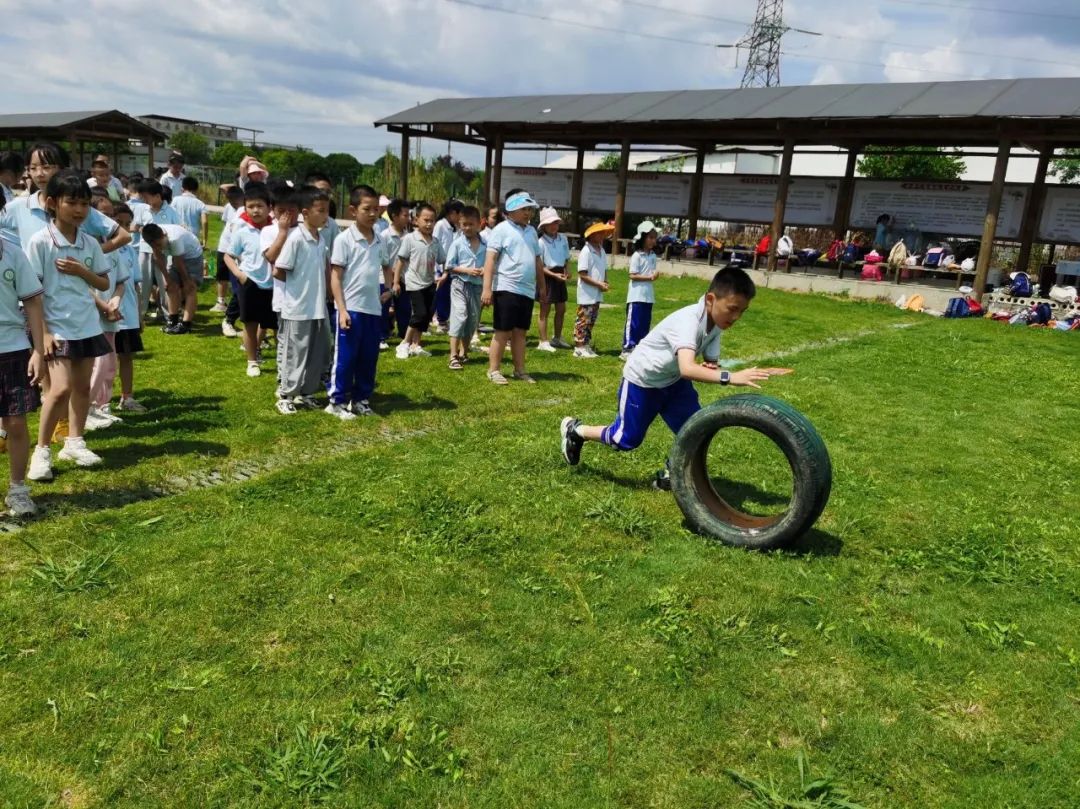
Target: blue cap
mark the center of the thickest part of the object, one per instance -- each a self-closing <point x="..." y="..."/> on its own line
<point x="519" y="201"/>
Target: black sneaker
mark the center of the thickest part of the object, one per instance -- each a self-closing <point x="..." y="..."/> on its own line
<point x="662" y="480"/>
<point x="176" y="328"/>
<point x="571" y="441"/>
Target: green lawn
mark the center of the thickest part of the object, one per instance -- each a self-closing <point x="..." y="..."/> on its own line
<point x="428" y="608"/>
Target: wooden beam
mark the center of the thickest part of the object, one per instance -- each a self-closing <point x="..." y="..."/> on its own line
<point x="696" y="184"/>
<point x="620" y="195"/>
<point x="403" y="179"/>
<point x="845" y="194"/>
<point x="151" y="143"/>
<point x="487" y="177"/>
<point x="780" y="206"/>
<point x="575" y="189"/>
<point x="1029" y="226"/>
<point x="496" y="171"/>
<point x="993" y="207"/>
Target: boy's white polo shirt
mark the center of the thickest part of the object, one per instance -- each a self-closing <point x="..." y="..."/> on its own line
<point x="462" y="255"/>
<point x="654" y="363"/>
<point x="174" y="184"/>
<point x="593" y="263"/>
<point x="266" y="240"/>
<point x="246" y="248"/>
<point x="165" y="215"/>
<point x="362" y="263"/>
<point x="25" y="216"/>
<point x="182" y="242"/>
<point x="70" y="313"/>
<point x="303" y="258"/>
<point x="641" y="263"/>
<point x="20" y="283"/>
<point x="517" y="248"/>
<point x="421" y="258"/>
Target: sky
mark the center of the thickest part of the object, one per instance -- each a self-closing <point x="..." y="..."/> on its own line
<point x="320" y="73"/>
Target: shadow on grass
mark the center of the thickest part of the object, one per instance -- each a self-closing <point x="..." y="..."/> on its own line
<point x="387" y="403"/>
<point x="59" y="504"/>
<point x="555" y="376"/>
<point x="814" y="543"/>
<point x="135" y="453"/>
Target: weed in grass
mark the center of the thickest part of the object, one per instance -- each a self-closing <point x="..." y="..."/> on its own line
<point x="999" y="635"/>
<point x="675" y="623"/>
<point x="982" y="554"/>
<point x="309" y="765"/>
<point x="622" y="517"/>
<point x="74" y="575"/>
<point x="820" y="793"/>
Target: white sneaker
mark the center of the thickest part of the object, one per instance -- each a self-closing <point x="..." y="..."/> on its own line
<point x="228" y="329"/>
<point x="253" y="369"/>
<point x="383" y="345"/>
<point x="96" y="422"/>
<point x="418" y="351"/>
<point x="103" y="413"/>
<point x="402" y="351"/>
<point x="306" y="403"/>
<point x="19" y="503"/>
<point x="584" y="353"/>
<point x="220" y="307"/>
<point x="41" y="464"/>
<point x="362" y="408"/>
<point x="341" y="411"/>
<point x="129" y="403"/>
<point x="546" y="346"/>
<point x="624" y="356"/>
<point x="75" y="449"/>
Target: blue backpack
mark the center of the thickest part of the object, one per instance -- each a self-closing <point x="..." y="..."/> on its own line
<point x="1021" y="286"/>
<point x="851" y="254"/>
<point x="1042" y="314"/>
<point x="957" y="307"/>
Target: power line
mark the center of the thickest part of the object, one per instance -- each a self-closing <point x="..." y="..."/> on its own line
<point x="626" y="32"/>
<point x="989" y="9"/>
<point x="850" y="38"/>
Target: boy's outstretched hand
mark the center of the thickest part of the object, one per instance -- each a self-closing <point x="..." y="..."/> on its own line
<point x="750" y="377"/>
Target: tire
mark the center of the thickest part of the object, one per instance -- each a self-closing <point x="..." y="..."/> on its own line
<point x="707" y="513"/>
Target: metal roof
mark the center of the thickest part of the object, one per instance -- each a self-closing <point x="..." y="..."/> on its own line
<point x="93" y="123"/>
<point x="972" y="111"/>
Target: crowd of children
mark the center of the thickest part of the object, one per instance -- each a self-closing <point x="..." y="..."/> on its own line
<point x="87" y="257"/>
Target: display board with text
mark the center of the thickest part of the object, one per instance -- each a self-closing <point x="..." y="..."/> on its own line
<point x="954" y="209"/>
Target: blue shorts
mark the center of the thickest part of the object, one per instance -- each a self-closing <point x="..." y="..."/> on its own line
<point x="638" y="407"/>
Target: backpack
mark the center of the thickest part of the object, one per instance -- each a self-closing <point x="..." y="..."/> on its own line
<point x="933" y="257"/>
<point x="1021" y="286"/>
<point x="762" y="248"/>
<point x="851" y="254"/>
<point x="898" y="255"/>
<point x="836" y="249"/>
<point x="1042" y="314"/>
<point x="915" y="303"/>
<point x="975" y="309"/>
<point x="957" y="307"/>
<point x="871" y="272"/>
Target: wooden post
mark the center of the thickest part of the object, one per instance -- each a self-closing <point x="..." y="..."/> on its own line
<point x="780" y="206"/>
<point x="695" y="193"/>
<point x="575" y="188"/>
<point x="620" y="196"/>
<point x="993" y="207"/>
<point x="845" y="195"/>
<point x="403" y="179"/>
<point x="115" y="167"/>
<point x="1033" y="210"/>
<point x="487" y="177"/>
<point x="496" y="171"/>
<point x="151" y="143"/>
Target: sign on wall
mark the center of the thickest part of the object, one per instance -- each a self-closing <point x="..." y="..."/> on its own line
<point x="653" y="193"/>
<point x="547" y="186"/>
<point x="1060" y="222"/>
<point x="957" y="209"/>
<point x="752" y="197"/>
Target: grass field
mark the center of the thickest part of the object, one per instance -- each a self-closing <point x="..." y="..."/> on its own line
<point x="428" y="608"/>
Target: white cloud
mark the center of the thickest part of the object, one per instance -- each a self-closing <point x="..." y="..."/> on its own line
<point x="320" y="74"/>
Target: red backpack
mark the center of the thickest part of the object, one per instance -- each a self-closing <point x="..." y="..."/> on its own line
<point x="836" y="249"/>
<point x="762" y="248"/>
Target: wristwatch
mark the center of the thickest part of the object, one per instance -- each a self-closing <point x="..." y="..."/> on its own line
<point x="725" y="377"/>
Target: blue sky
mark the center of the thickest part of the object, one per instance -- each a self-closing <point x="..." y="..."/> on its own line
<point x="319" y="74"/>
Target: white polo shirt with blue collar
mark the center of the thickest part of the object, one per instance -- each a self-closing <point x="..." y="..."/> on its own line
<point x="246" y="248"/>
<point x="362" y="263"/>
<point x="462" y="255"/>
<point x="70" y="313"/>
<point x="25" y="216"/>
<point x="517" y="248"/>
<point x="19" y="283"/>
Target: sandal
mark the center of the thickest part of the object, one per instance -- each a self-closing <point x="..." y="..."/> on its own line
<point x="455" y="364"/>
<point x="524" y="377"/>
<point x="497" y="378"/>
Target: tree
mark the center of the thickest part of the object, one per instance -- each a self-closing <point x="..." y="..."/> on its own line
<point x="1067" y="167"/>
<point x="194" y="147"/>
<point x="609" y="162"/>
<point x="341" y="167"/>
<point x="229" y="155"/>
<point x="911" y="163"/>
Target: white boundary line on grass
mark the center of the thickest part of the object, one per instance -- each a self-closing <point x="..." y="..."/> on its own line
<point x="815" y="345"/>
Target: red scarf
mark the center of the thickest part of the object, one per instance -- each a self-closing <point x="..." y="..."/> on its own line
<point x="246" y="218"/>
